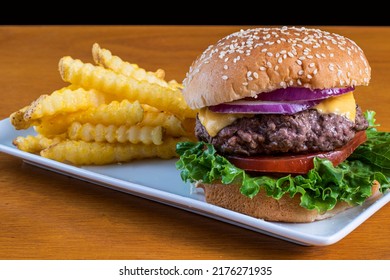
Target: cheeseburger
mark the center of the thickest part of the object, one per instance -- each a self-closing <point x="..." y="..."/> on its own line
<point x="277" y="120"/>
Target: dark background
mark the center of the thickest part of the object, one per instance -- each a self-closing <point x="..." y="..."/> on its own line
<point x="196" y="12"/>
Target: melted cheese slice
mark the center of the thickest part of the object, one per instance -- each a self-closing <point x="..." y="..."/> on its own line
<point x="214" y="122"/>
<point x="343" y="105"/>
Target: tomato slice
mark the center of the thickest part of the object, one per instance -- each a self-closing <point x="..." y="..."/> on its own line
<point x="298" y="163"/>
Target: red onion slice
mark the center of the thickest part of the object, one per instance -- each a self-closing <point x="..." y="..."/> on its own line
<point x="300" y="94"/>
<point x="263" y="107"/>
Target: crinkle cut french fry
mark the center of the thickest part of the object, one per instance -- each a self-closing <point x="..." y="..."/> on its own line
<point x="90" y="76"/>
<point x="18" y="118"/>
<point x="63" y="101"/>
<point x="18" y="121"/>
<point x="87" y="153"/>
<point x="160" y="73"/>
<point x="175" y="84"/>
<point x="34" y="144"/>
<point x="104" y="58"/>
<point x="169" y="122"/>
<point x="116" y="113"/>
<point x="53" y="125"/>
<point x="112" y="134"/>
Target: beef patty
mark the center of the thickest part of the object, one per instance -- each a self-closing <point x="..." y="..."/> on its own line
<point x="306" y="131"/>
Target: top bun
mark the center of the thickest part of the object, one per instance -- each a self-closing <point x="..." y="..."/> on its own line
<point x="251" y="61"/>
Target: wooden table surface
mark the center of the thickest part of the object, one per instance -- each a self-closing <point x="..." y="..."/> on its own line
<point x="44" y="215"/>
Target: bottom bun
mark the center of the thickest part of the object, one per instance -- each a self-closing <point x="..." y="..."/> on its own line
<point x="286" y="209"/>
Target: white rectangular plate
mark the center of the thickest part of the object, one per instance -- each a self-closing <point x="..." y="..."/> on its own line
<point x="159" y="180"/>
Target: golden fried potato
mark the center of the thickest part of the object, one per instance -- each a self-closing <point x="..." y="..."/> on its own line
<point x="114" y="112"/>
<point x="104" y="58"/>
<point x="63" y="101"/>
<point x="53" y="125"/>
<point x="87" y="153"/>
<point x="113" y="134"/>
<point x="169" y="122"/>
<point x="18" y="121"/>
<point x="90" y="76"/>
<point x="174" y="84"/>
<point x="35" y="144"/>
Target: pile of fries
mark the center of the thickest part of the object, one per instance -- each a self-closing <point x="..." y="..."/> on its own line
<point x="111" y="112"/>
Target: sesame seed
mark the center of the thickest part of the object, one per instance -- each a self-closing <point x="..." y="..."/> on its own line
<point x="244" y="83"/>
<point x="249" y="73"/>
<point x="309" y="76"/>
<point x="302" y="42"/>
<point x="283" y="84"/>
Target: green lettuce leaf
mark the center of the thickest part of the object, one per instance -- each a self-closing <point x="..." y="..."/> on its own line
<point x="321" y="188"/>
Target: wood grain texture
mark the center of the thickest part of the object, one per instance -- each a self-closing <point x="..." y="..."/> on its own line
<point x="44" y="215"/>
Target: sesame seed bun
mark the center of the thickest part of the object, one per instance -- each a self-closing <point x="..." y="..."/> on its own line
<point x="251" y="61"/>
<point x="286" y="209"/>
